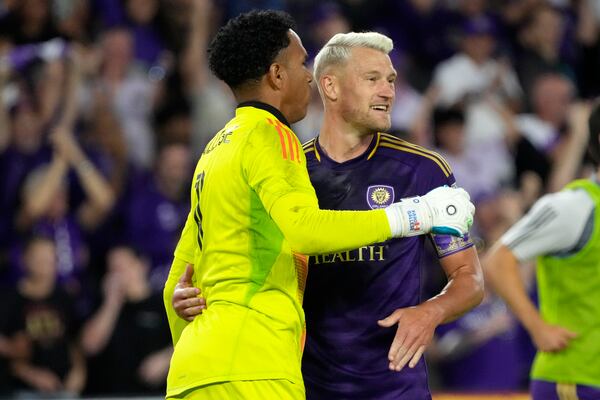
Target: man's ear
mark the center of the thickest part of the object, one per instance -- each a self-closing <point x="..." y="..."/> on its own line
<point x="276" y="76"/>
<point x="329" y="86"/>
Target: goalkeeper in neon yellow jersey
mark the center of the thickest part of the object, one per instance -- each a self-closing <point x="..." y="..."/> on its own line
<point x="254" y="217"/>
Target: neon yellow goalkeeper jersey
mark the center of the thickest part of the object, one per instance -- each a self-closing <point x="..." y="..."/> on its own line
<point x="253" y="215"/>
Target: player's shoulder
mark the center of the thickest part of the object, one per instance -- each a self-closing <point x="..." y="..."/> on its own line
<point x="267" y="129"/>
<point x="563" y="201"/>
<point x="261" y="123"/>
<point x="413" y="154"/>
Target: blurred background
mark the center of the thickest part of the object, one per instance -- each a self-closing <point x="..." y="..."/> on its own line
<point x="105" y="106"/>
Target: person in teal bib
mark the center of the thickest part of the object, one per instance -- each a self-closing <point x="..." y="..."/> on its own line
<point x="562" y="230"/>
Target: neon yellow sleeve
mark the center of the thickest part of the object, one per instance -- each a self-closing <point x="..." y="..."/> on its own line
<point x="281" y="180"/>
<point x="184" y="254"/>
<point x="310" y="230"/>
<point x="188" y="242"/>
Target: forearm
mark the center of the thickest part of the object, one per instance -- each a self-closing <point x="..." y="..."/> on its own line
<point x="15" y="347"/>
<point x="52" y="85"/>
<point x="463" y="292"/>
<point x="97" y="332"/>
<point x="176" y="324"/>
<point x="24" y="371"/>
<point x="569" y="158"/>
<point x="194" y="63"/>
<point x="503" y="276"/>
<point x="27" y="372"/>
<point x="587" y="24"/>
<point x="75" y="379"/>
<point x="4" y="125"/>
<point x="6" y="348"/>
<point x="421" y="122"/>
<point x="70" y="106"/>
<point x="310" y="230"/>
<point x="97" y="189"/>
<point x="37" y="201"/>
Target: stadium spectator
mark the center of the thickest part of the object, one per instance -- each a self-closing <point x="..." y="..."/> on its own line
<point x="103" y="141"/>
<point x="128" y="336"/>
<point x="418" y="28"/>
<point x="40" y="308"/>
<point x="24" y="152"/>
<point x="131" y="93"/>
<point x="470" y="79"/>
<point x="29" y="21"/>
<point x="46" y="208"/>
<point x="545" y="131"/>
<point x="451" y="142"/>
<point x="540" y="52"/>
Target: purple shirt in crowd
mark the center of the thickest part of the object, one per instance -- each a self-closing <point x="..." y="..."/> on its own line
<point x="346" y="293"/>
<point x="154" y="224"/>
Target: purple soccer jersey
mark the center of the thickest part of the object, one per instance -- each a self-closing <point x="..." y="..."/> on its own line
<point x="346" y="293"/>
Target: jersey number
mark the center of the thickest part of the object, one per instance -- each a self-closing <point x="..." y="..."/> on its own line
<point x="198" y="213"/>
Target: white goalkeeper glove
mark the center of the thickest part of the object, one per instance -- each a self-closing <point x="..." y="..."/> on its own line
<point x="444" y="210"/>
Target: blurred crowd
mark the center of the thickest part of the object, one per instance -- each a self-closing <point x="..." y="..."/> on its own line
<point x="105" y="105"/>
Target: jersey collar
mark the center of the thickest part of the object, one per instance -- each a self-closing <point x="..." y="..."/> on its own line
<point x="267" y="107"/>
<point x="366" y="155"/>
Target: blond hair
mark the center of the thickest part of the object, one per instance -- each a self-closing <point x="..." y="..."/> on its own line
<point x="337" y="50"/>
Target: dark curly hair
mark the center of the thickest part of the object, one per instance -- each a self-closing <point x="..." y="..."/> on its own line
<point x="594" y="139"/>
<point x="243" y="50"/>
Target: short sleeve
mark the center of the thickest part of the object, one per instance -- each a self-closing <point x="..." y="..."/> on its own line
<point x="554" y="224"/>
<point x="188" y="242"/>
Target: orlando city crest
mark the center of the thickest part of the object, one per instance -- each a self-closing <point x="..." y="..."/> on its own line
<point x="380" y="196"/>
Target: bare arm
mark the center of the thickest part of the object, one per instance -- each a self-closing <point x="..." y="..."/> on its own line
<point x="41" y="379"/>
<point x="98" y="330"/>
<point x="194" y="63"/>
<point x="15" y="347"/>
<point x="75" y="379"/>
<point x="155" y="366"/>
<point x="416" y="325"/>
<point x="51" y="87"/>
<point x="503" y="276"/>
<point x="4" y="125"/>
<point x="419" y="130"/>
<point x="38" y="199"/>
<point x="569" y="159"/>
<point x="512" y="134"/>
<point x="99" y="195"/>
<point x="465" y="285"/>
<point x="73" y="82"/>
<point x="587" y="25"/>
